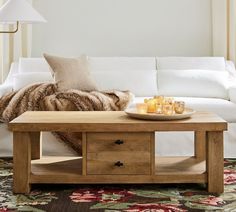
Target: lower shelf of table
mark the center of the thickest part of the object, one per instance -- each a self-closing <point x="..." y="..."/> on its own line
<point x="69" y="170"/>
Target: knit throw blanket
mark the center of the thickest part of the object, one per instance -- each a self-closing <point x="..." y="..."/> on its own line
<point x="46" y="97"/>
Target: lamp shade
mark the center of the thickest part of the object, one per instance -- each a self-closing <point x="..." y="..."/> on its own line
<point x="19" y="10"/>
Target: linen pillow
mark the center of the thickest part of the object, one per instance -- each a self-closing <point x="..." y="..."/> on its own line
<point x="23" y="79"/>
<point x="71" y="73"/>
<point x="193" y="83"/>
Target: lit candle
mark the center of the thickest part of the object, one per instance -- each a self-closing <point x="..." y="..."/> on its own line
<point x="159" y="108"/>
<point x="168" y="109"/>
<point x="151" y="106"/>
<point x="142" y="108"/>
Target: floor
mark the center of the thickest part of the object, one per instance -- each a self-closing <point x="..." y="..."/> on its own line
<point x="129" y="198"/>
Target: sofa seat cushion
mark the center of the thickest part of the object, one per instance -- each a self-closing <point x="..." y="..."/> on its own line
<point x="224" y="108"/>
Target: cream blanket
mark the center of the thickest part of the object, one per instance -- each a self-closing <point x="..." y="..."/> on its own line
<point x="46" y="97"/>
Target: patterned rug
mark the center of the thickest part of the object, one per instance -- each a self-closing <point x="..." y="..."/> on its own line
<point x="129" y="198"/>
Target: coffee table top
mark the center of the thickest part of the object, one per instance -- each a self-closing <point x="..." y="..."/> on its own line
<point x="110" y="121"/>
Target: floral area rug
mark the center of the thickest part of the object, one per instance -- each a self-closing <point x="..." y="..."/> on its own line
<point x="129" y="198"/>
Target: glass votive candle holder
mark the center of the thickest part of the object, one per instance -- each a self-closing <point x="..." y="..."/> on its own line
<point x="151" y="106"/>
<point x="169" y="100"/>
<point x="168" y="109"/>
<point x="159" y="109"/>
<point x="142" y="108"/>
<point x="159" y="99"/>
<point x="179" y="107"/>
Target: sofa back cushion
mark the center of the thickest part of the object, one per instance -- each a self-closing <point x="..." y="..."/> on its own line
<point x="185" y="63"/>
<point x="137" y="74"/>
<point x="193" y="83"/>
<point x="33" y="65"/>
<point x="21" y="80"/>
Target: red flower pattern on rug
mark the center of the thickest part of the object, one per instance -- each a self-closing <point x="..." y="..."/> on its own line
<point x="229" y="177"/>
<point x="214" y="201"/>
<point x="100" y="195"/>
<point x="155" y="208"/>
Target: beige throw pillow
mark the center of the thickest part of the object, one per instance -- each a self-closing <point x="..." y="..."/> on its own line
<point x="71" y="73"/>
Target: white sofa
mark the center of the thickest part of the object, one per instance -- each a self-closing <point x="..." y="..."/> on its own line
<point x="205" y="84"/>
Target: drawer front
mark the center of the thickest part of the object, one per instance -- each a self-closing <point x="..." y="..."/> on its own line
<point x="119" y="163"/>
<point x="97" y="142"/>
<point x="118" y="153"/>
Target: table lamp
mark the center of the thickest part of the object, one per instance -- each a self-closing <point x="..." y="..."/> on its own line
<point x="18" y="11"/>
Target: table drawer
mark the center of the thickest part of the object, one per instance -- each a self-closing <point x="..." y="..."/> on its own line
<point x="97" y="142"/>
<point x="109" y="162"/>
<point x="118" y="153"/>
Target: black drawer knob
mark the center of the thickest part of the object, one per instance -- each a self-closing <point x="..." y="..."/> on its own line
<point x="119" y="164"/>
<point x="119" y="142"/>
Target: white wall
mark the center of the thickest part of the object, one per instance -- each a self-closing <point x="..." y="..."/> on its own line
<point x="124" y="27"/>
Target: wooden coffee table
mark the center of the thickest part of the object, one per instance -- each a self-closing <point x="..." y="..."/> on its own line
<point x="116" y="149"/>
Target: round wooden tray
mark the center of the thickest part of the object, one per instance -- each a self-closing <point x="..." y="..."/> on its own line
<point x="132" y="112"/>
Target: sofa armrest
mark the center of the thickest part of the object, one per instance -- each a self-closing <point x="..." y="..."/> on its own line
<point x="232" y="94"/>
<point x="5" y="88"/>
<point x="230" y="67"/>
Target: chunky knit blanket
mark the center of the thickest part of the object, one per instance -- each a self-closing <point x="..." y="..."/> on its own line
<point x="46" y="97"/>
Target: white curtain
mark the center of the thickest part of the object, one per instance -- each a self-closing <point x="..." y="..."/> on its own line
<point x="224" y="28"/>
<point x="13" y="46"/>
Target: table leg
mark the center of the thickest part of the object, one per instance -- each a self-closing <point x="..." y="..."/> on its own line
<point x="84" y="153"/>
<point x="200" y="145"/>
<point x="36" y="145"/>
<point x="22" y="162"/>
<point x="215" y="162"/>
<point x="153" y="156"/>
